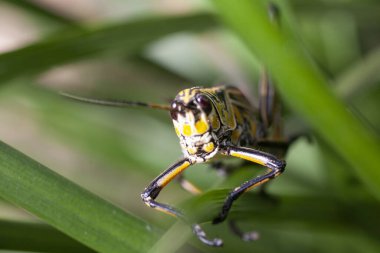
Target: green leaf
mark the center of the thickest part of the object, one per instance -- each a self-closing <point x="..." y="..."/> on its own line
<point x="68" y="207"/>
<point x="315" y="215"/>
<point x="75" y="44"/>
<point x="303" y="87"/>
<point x="40" y="11"/>
<point x="25" y="236"/>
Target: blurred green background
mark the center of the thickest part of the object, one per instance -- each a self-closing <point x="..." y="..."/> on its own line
<point x="328" y="198"/>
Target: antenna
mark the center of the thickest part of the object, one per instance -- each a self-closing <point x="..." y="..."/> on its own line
<point x="115" y="103"/>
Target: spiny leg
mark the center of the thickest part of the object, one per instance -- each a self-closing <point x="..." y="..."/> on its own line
<point x="225" y="169"/>
<point x="275" y="165"/>
<point x="152" y="191"/>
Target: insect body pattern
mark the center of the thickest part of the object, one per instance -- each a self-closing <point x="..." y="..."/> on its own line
<point x="210" y="121"/>
<point x="217" y="120"/>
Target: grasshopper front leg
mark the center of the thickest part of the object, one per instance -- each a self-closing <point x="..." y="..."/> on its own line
<point x="275" y="166"/>
<point x="151" y="192"/>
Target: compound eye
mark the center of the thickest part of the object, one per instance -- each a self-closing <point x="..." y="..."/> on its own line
<point x="204" y="102"/>
<point x="174" y="110"/>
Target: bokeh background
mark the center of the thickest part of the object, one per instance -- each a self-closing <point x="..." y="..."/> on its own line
<point x="148" y="51"/>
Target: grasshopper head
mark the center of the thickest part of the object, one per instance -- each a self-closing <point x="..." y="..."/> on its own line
<point x="195" y="121"/>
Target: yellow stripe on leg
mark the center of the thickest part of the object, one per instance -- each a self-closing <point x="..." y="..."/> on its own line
<point x="172" y="174"/>
<point x="248" y="157"/>
<point x="163" y="210"/>
<point x="257" y="184"/>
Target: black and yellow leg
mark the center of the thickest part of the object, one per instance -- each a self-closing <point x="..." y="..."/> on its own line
<point x="152" y="191"/>
<point x="275" y="166"/>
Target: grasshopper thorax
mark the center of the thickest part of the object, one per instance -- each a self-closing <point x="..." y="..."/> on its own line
<point x="195" y="122"/>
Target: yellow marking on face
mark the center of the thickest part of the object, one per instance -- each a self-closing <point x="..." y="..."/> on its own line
<point x="166" y="179"/>
<point x="177" y="131"/>
<point x="247" y="157"/>
<point x="191" y="150"/>
<point x="186" y="130"/>
<point x="209" y="147"/>
<point x="185" y="95"/>
<point x="201" y="126"/>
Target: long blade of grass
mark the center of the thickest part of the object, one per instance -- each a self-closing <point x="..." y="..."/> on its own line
<point x="40" y="11"/>
<point x="74" y="44"/>
<point x="26" y="236"/>
<point x="68" y="207"/>
<point x="304" y="88"/>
